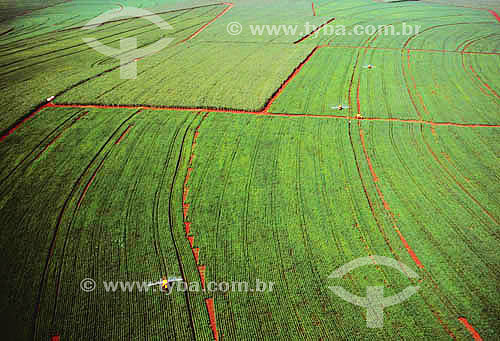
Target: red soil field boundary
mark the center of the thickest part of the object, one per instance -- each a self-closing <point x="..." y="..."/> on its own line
<point x="289" y="79"/>
<point x="314" y="31"/>
<point x="230" y="5"/>
<point x="411" y="50"/>
<point x="470" y="328"/>
<point x="314" y="11"/>
<point x="495" y="14"/>
<point x="265" y="113"/>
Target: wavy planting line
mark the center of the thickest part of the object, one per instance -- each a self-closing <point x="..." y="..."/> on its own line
<point x="442" y="166"/>
<point x="410" y="251"/>
<point x="470" y="328"/>
<point x="481" y="82"/>
<point x="201" y="29"/>
<point x="314" y="31"/>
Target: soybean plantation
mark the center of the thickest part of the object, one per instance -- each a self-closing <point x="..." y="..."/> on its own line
<point x="276" y="157"/>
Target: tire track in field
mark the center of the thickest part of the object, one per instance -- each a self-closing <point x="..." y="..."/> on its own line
<point x="474" y="73"/>
<point x="228" y="171"/>
<point x="209" y="302"/>
<point x="449" y="303"/>
<point x="356" y="225"/>
<point x="381" y="196"/>
<point x="75" y="213"/>
<point x="66" y="204"/>
<point x="172" y="222"/>
<point x="396" y="256"/>
<point x="428" y="113"/>
<point x="73" y="118"/>
<point x="442" y="166"/>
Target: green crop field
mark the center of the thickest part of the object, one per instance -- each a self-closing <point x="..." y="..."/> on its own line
<point x="257" y="158"/>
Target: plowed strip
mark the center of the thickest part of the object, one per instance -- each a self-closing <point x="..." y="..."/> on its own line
<point x="470" y="328"/>
<point x="211" y="314"/>
<point x="495" y="14"/>
<point x="16" y="126"/>
<point x="314" y="31"/>
<point x="289" y="79"/>
<point x="123" y="134"/>
<point x="230" y="5"/>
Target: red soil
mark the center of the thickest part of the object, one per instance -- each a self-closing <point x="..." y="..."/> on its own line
<point x="196" y="254"/>
<point x="264" y="113"/>
<point x="314" y="11"/>
<point x="55" y="338"/>
<point x="191" y="240"/>
<point x="470" y="328"/>
<point x="211" y="314"/>
<point x="314" y="31"/>
<point x="494" y="14"/>
<point x="386" y="204"/>
<point x="185" y="194"/>
<point x="60" y="134"/>
<point x="123" y="134"/>
<point x="413" y="50"/>
<point x="201" y="271"/>
<point x="185" y="209"/>
<point x="187" y="227"/>
<point x="230" y="5"/>
<point x="27" y="118"/>
<point x="288" y="80"/>
<point x="188" y="175"/>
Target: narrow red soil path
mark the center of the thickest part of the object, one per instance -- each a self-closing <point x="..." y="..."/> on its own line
<point x="190" y="238"/>
<point x="288" y="80"/>
<point x="408" y="248"/>
<point x="495" y="14"/>
<point x="413" y="50"/>
<point x="122" y="136"/>
<point x="314" y="31"/>
<point x="470" y="328"/>
<point x="211" y="313"/>
<point x="20" y="123"/>
<point x="314" y="10"/>
<point x="201" y="29"/>
<point x="230" y="111"/>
